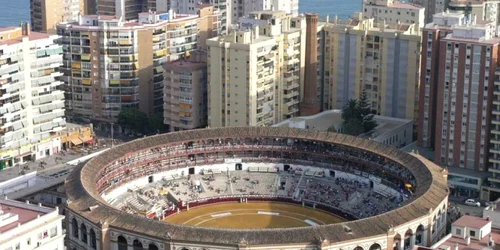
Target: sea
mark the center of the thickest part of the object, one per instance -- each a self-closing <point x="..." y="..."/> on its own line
<point x="12" y="12"/>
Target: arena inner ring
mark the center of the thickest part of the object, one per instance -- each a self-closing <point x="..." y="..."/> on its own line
<point x="418" y="219"/>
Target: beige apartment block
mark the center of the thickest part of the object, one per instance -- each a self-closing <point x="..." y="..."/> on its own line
<point x="395" y="12"/>
<point x="256" y="73"/>
<point x="111" y="65"/>
<point x="31" y="105"/>
<point x="185" y="93"/>
<point x="381" y="59"/>
<point x="46" y="14"/>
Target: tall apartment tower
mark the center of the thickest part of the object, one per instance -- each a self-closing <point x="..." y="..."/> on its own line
<point x="432" y="7"/>
<point x="380" y="59"/>
<point x="111" y="65"/>
<point x="395" y="12"/>
<point x="468" y="58"/>
<point x="491" y="190"/>
<point x="231" y="11"/>
<point x="31" y="108"/>
<point x="429" y="75"/>
<point x="256" y="73"/>
<point x="482" y="10"/>
<point x="185" y="93"/>
<point x="125" y="9"/>
<point x="46" y="14"/>
<point x="310" y="102"/>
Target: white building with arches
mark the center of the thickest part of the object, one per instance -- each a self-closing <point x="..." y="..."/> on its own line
<point x="94" y="223"/>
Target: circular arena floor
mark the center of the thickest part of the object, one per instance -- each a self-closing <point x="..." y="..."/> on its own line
<point x="253" y="215"/>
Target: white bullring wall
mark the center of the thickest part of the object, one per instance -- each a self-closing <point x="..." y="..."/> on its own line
<point x="143" y="181"/>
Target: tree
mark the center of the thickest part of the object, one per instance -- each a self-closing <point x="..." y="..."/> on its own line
<point x="156" y="123"/>
<point x="357" y="116"/>
<point x="353" y="127"/>
<point x="133" y="119"/>
<point x="350" y="110"/>
<point x="365" y="110"/>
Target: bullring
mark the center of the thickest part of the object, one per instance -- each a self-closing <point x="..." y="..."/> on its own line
<point x="93" y="223"/>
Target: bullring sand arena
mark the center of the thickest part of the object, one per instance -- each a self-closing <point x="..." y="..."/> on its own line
<point x="255" y="188"/>
<point x="253" y="215"/>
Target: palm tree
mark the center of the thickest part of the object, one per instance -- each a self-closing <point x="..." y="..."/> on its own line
<point x="350" y="110"/>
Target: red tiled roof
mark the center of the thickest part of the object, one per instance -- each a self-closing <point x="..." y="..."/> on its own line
<point x="471" y="221"/>
<point x="25" y="215"/>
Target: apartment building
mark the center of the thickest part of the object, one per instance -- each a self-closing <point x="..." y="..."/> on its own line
<point x="46" y="14"/>
<point x="395" y="12"/>
<point x="31" y="107"/>
<point x="483" y="10"/>
<point x="231" y="11"/>
<point x="466" y="72"/>
<point x="431" y="7"/>
<point x="380" y="59"/>
<point x="256" y="73"/>
<point x="28" y="226"/>
<point x="185" y="93"/>
<point x="125" y="9"/>
<point x="491" y="189"/>
<point x="111" y="65"/>
<point x="429" y="76"/>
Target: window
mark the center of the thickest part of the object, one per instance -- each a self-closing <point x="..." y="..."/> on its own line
<point x="472" y="233"/>
<point x="458" y="231"/>
<point x="53" y="231"/>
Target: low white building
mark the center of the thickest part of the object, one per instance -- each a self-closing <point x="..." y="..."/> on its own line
<point x="391" y="131"/>
<point x="27" y="226"/>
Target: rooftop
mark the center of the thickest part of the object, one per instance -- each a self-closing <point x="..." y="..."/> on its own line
<point x="15" y="213"/>
<point x="31" y="37"/>
<point x="471" y="221"/>
<point x="9" y="28"/>
<point x="401" y="5"/>
<point x="474" y="244"/>
<point x="327" y="119"/>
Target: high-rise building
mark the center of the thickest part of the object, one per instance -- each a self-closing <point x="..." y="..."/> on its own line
<point x="125" y="9"/>
<point x="491" y="189"/>
<point x="111" y="65"/>
<point x="31" y="108"/>
<point x="46" y="14"/>
<point x="395" y="12"/>
<point x="185" y="93"/>
<point x="380" y="59"/>
<point x="466" y="64"/>
<point x="431" y="7"/>
<point x="256" y="73"/>
<point x="429" y="77"/>
<point x="231" y="11"/>
<point x="482" y="10"/>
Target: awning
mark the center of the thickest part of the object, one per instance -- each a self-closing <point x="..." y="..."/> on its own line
<point x="87" y="139"/>
<point x="76" y="141"/>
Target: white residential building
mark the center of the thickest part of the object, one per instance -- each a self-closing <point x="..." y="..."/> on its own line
<point x="31" y="106"/>
<point x="231" y="11"/>
<point x="27" y="226"/>
<point x="394" y="12"/>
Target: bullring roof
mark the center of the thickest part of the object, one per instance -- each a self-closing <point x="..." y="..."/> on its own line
<point x="82" y="193"/>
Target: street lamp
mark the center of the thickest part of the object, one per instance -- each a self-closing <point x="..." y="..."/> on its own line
<point x="112" y="140"/>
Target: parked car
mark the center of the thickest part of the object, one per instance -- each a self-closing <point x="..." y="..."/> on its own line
<point x="472" y="202"/>
<point x="489" y="203"/>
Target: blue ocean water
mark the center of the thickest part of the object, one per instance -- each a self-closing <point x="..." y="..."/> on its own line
<point x="12" y="12"/>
